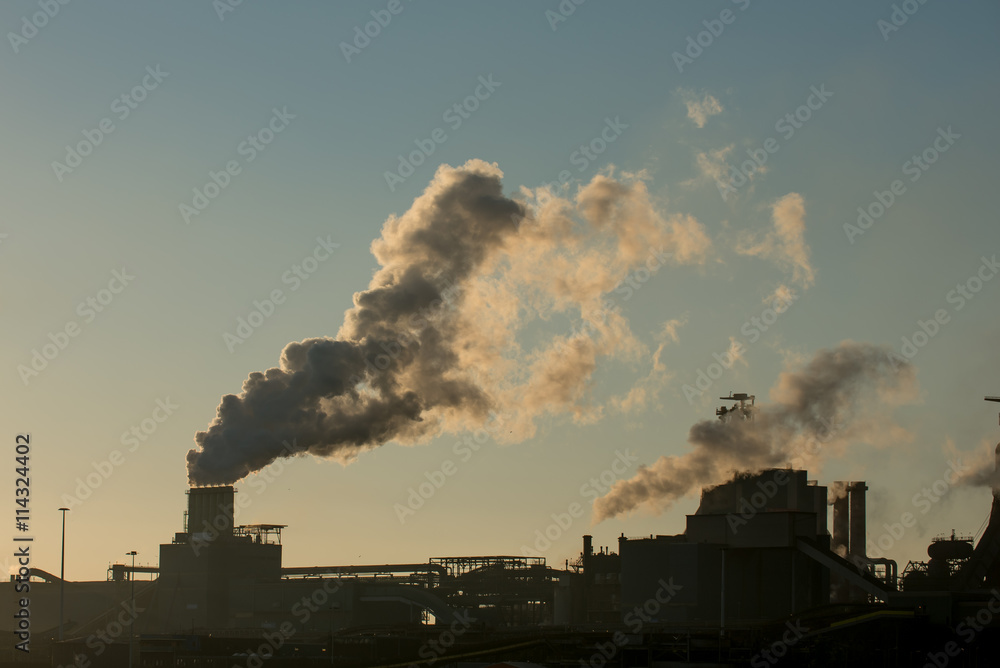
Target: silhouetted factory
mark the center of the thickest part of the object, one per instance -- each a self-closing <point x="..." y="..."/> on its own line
<point x="756" y="577"/>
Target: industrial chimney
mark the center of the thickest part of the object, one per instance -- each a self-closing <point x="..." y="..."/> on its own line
<point x="841" y="522"/>
<point x="858" y="524"/>
<point x="210" y="511"/>
<point x="996" y="489"/>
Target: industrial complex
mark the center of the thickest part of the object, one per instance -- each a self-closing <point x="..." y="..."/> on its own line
<point x="772" y="567"/>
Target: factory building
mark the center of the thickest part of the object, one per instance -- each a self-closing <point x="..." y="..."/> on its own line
<point x="756" y="556"/>
<point x="219" y="577"/>
<point x="741" y="556"/>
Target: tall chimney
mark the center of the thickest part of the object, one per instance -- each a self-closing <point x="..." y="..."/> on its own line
<point x="996" y="488"/>
<point x="841" y="522"/>
<point x="858" y="525"/>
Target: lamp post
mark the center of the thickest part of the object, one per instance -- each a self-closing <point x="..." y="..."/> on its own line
<point x="62" y="573"/>
<point x="131" y="626"/>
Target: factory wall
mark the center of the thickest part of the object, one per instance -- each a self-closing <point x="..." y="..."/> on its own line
<point x="209" y="581"/>
<point x="738" y="555"/>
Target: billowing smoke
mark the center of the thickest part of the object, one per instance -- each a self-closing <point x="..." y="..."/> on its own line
<point x="841" y="396"/>
<point x="431" y="345"/>
<point x="835" y="491"/>
<point x="985" y="474"/>
<point x="981" y="468"/>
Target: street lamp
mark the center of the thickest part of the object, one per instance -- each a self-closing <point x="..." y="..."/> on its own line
<point x="62" y="573"/>
<point x="131" y="626"/>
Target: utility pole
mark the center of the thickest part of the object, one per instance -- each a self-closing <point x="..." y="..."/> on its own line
<point x="131" y="626"/>
<point x="62" y="574"/>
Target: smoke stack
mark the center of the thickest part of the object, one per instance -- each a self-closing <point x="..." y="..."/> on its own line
<point x="841" y="523"/>
<point x="996" y="488"/>
<point x="210" y="510"/>
<point x="858" y="536"/>
<point x="588" y="546"/>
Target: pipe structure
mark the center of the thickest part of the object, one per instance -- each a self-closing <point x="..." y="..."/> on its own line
<point x="314" y="571"/>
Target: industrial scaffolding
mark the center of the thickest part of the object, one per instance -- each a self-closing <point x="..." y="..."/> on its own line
<point x="501" y="590"/>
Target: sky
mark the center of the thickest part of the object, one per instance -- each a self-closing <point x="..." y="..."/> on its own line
<point x="168" y="168"/>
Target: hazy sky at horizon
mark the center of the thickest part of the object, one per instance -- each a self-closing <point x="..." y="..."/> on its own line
<point x="890" y="95"/>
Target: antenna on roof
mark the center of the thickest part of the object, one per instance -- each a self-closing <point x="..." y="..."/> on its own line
<point x="746" y="411"/>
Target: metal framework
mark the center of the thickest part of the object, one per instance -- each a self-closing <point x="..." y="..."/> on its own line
<point x="266" y="534"/>
<point x="501" y="590"/>
<point x="458" y="566"/>
<point x="126" y="572"/>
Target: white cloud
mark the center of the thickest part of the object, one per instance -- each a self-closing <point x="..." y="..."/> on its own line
<point x="700" y="106"/>
<point x="712" y="166"/>
<point x="785" y="244"/>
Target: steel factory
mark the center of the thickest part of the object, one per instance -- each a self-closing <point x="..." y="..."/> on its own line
<point x="772" y="566"/>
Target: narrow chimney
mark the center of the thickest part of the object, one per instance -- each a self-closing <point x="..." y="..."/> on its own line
<point x="996" y="488"/>
<point x="841" y="523"/>
<point x="858" y="524"/>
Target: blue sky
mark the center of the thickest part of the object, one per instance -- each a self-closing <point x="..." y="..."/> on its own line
<point x="557" y="86"/>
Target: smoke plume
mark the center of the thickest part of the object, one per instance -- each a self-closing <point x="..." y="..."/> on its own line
<point x="431" y="346"/>
<point x="835" y="491"/>
<point x="979" y="468"/>
<point x="840" y="396"/>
